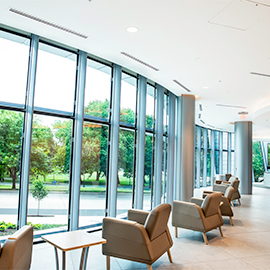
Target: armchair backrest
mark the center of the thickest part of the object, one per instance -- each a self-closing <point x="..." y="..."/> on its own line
<point x="17" y="250"/>
<point x="211" y="204"/>
<point x="228" y="176"/>
<point x="235" y="184"/>
<point x="229" y="193"/>
<point x="156" y="222"/>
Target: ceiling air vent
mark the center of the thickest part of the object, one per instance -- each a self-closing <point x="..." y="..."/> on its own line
<point x="200" y="107"/>
<point x="260" y="74"/>
<point x="59" y="27"/>
<point x="231" y="106"/>
<point x="139" y="61"/>
<point x="182" y="85"/>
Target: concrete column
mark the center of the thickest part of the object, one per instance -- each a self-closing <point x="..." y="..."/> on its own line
<point x="185" y="147"/>
<point x="243" y="155"/>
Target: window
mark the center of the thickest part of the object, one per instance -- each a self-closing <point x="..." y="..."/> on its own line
<point x="49" y="172"/>
<point x="125" y="171"/>
<point x="11" y="129"/>
<point x="128" y="99"/>
<point x="14" y="53"/>
<point x="55" y="79"/>
<point x="97" y="90"/>
<point x="93" y="174"/>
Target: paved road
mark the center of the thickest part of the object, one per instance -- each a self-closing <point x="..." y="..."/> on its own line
<point x="54" y="208"/>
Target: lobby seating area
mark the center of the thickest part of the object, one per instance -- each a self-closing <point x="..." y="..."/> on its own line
<point x="244" y="246"/>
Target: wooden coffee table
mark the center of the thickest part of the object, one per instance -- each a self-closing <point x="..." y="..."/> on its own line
<point x="70" y="241"/>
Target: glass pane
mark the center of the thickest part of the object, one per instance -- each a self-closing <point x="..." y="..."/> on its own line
<point x="150" y="106"/>
<point x="93" y="174"/>
<point x="14" y="53"/>
<point x="97" y="89"/>
<point x="196" y="136"/>
<point x="232" y="163"/>
<point x="164" y="170"/>
<point x="128" y="99"/>
<point x="196" y="168"/>
<point x="11" y="129"/>
<point x="49" y="172"/>
<point x="232" y="141"/>
<point x="148" y="171"/>
<point x="208" y="138"/>
<point x="217" y="161"/>
<point x="202" y="137"/>
<point x="257" y="160"/>
<point x="225" y="141"/>
<point x="125" y="171"/>
<point x="165" y="114"/>
<point x="225" y="161"/>
<point x="55" y="79"/>
<point x="217" y="140"/>
<point x="201" y="172"/>
<point x="208" y="167"/>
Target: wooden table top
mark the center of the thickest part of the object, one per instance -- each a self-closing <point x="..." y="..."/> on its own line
<point x="72" y="240"/>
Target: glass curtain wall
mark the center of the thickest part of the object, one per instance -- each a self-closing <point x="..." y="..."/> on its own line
<point x="204" y="159"/>
<point x="49" y="205"/>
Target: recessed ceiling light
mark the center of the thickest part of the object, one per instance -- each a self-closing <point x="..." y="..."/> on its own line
<point x="205" y="87"/>
<point x="132" y="29"/>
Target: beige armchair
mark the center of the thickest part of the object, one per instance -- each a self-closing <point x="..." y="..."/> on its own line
<point x="234" y="182"/>
<point x="201" y="215"/>
<point x="226" y="200"/>
<point x="144" y="237"/>
<point x="16" y="252"/>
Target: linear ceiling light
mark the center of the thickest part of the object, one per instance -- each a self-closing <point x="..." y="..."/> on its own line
<point x="139" y="61"/>
<point x="182" y="85"/>
<point x="47" y="23"/>
<point x="260" y="74"/>
<point x="231" y="106"/>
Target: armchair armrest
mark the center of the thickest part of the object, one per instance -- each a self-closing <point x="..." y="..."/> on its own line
<point x="137" y="215"/>
<point x="197" y="201"/>
<point x="124" y="230"/>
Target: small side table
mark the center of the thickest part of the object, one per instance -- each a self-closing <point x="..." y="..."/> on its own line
<point x="70" y="241"/>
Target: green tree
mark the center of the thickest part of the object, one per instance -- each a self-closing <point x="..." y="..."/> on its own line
<point x="11" y="126"/>
<point x="42" y="150"/>
<point x="38" y="191"/>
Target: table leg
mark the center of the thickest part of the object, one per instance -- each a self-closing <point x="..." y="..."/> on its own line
<point x="56" y="258"/>
<point x="64" y="261"/>
<point x="84" y="258"/>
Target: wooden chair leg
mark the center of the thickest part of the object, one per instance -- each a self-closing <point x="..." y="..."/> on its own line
<point x="220" y="230"/>
<point x="231" y="221"/>
<point x="205" y="238"/>
<point x="175" y="232"/>
<point x="239" y="201"/>
<point x="149" y="267"/>
<point x="232" y="204"/>
<point x="170" y="256"/>
<point x="108" y="262"/>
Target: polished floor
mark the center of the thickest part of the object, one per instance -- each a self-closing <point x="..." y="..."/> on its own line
<point x="244" y="246"/>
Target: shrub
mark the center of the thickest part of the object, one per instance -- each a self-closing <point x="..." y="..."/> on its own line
<point x="11" y="226"/>
<point x="36" y="226"/>
<point x="3" y="228"/>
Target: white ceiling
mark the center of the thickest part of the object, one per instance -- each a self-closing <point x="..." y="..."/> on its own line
<point x="209" y="46"/>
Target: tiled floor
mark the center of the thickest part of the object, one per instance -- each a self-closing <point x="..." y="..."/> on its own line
<point x="244" y="246"/>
